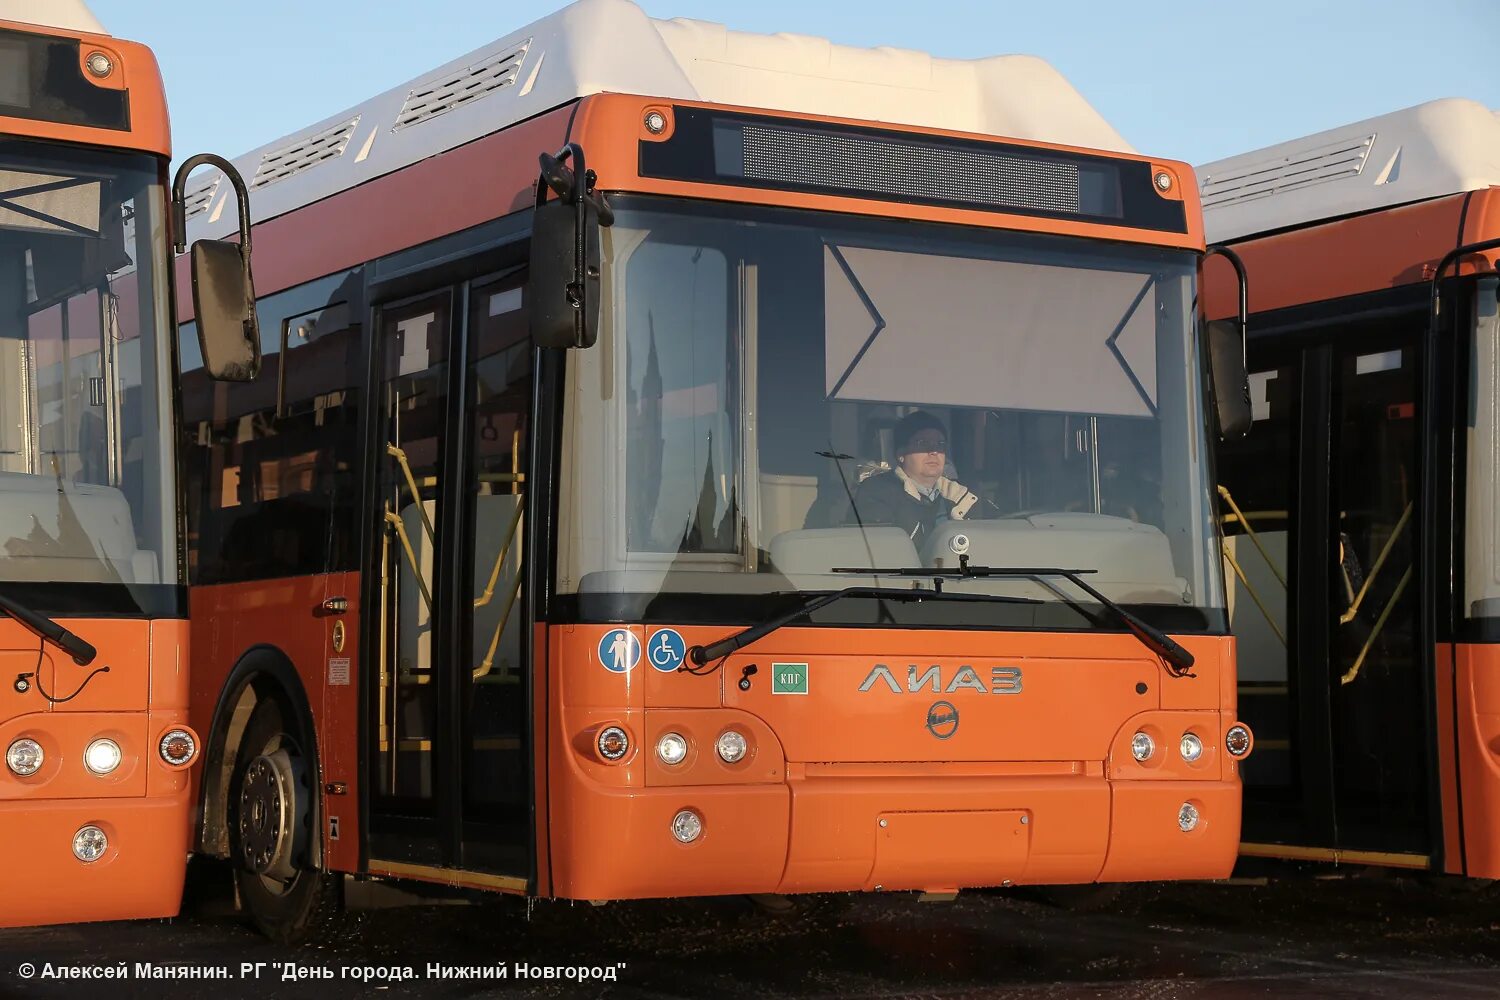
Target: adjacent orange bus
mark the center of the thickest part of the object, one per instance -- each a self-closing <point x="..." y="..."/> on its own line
<point x="94" y="795"/>
<point x="535" y="558"/>
<point x="1361" y="509"/>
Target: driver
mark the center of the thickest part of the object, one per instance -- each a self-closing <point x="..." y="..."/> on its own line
<point x="915" y="495"/>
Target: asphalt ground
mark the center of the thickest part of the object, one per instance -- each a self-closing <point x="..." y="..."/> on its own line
<point x="1297" y="934"/>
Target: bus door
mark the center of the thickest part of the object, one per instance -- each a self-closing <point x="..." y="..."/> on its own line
<point x="448" y="721"/>
<point x="1320" y="508"/>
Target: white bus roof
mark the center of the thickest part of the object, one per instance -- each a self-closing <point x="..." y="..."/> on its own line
<point x="70" y="15"/>
<point x="612" y="46"/>
<point x="1434" y="149"/>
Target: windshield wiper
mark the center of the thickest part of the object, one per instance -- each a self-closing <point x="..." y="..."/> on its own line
<point x="43" y="627"/>
<point x="1180" y="661"/>
<point x="723" y="647"/>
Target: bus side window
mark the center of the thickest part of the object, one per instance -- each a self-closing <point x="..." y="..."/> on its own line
<point x="271" y="465"/>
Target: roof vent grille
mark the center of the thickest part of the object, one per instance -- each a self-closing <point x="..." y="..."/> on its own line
<point x="446" y="93"/>
<point x="199" y="198"/>
<point x="279" y="164"/>
<point x="1305" y="167"/>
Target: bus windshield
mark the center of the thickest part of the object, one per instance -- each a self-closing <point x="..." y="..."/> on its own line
<point x="86" y="480"/>
<point x="784" y="396"/>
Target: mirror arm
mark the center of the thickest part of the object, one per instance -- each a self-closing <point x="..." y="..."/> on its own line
<point x="179" y="201"/>
<point x="1220" y="250"/>
<point x="1435" y="303"/>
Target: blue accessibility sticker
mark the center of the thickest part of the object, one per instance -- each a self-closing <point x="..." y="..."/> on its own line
<point x="619" y="651"/>
<point x="667" y="649"/>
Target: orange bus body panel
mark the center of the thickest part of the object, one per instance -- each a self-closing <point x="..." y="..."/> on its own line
<point x="229" y="620"/>
<point x="496" y="175"/>
<point x="849" y="788"/>
<point x="1478" y="680"/>
<point x="142" y="806"/>
<point x="136" y="70"/>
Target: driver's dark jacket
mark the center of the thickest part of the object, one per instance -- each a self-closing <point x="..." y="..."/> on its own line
<point x="883" y="499"/>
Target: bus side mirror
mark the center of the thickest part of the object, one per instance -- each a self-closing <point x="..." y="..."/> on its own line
<point x="223" y="289"/>
<point x="563" y="285"/>
<point x="224" y="301"/>
<point x="1231" y="382"/>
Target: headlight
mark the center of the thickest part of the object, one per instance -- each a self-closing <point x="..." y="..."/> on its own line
<point x="687" y="826"/>
<point x="177" y="747"/>
<point x="1237" y="741"/>
<point x="89" y="844"/>
<point x="1191" y="747"/>
<point x="24" y="757"/>
<point x="671" y="749"/>
<point x="1187" y="817"/>
<point x="1142" y="747"/>
<point x="731" y="746"/>
<point x="102" y="756"/>
<point x="614" y="743"/>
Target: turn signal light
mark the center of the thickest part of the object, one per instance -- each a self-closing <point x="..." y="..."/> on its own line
<point x="687" y="826"/>
<point x="177" y="747"/>
<point x="614" y="743"/>
<point x="1237" y="740"/>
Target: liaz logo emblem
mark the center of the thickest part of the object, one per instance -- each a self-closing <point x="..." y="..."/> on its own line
<point x="942" y="719"/>
<point x="789" y="678"/>
<point x="1003" y="680"/>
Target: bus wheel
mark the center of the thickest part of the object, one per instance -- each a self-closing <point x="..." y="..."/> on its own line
<point x="271" y="831"/>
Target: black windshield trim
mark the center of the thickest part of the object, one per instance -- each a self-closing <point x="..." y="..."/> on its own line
<point x="99" y="600"/>
<point x="740" y="610"/>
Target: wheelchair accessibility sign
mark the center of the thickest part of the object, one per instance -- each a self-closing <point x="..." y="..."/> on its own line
<point x="619" y="651"/>
<point x="667" y="650"/>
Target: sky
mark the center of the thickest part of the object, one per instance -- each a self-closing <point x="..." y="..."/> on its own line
<point x="1191" y="81"/>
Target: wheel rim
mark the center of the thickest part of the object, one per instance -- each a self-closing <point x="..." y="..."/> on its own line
<point x="268" y="820"/>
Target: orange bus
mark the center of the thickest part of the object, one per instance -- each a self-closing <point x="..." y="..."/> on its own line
<point x="94" y="795"/>
<point x="1360" y="511"/>
<point x="796" y="487"/>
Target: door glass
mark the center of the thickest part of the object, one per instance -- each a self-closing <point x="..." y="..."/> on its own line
<point x="414" y="337"/>
<point x="1378" y="739"/>
<point x="1257" y="495"/>
<point x="493" y="616"/>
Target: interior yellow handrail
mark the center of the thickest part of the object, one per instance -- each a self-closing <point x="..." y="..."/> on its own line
<point x="411" y="482"/>
<point x="411" y="556"/>
<point x="1254" y="538"/>
<point x="510" y="536"/>
<point x="1348" y="616"/>
<point x="1385" y="614"/>
<point x="1265" y="613"/>
<point x="489" y="657"/>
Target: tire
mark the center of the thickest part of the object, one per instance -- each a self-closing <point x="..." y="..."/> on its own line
<point x="272" y="827"/>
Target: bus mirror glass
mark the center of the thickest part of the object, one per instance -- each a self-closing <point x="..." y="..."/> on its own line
<point x="224" y="301"/>
<point x="564" y="305"/>
<point x="1231" y="382"/>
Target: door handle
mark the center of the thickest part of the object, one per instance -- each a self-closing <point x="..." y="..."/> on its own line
<point x="335" y="605"/>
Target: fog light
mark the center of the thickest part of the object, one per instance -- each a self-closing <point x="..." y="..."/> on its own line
<point x="1142" y="747"/>
<point x="177" y="747"/>
<point x="614" y="743"/>
<point x="102" y="756"/>
<point x="1191" y="747"/>
<point x="89" y="844"/>
<point x="687" y="826"/>
<point x="731" y="746"/>
<point x="1187" y="817"/>
<point x="1237" y="741"/>
<point x="24" y="757"/>
<point x="671" y="748"/>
